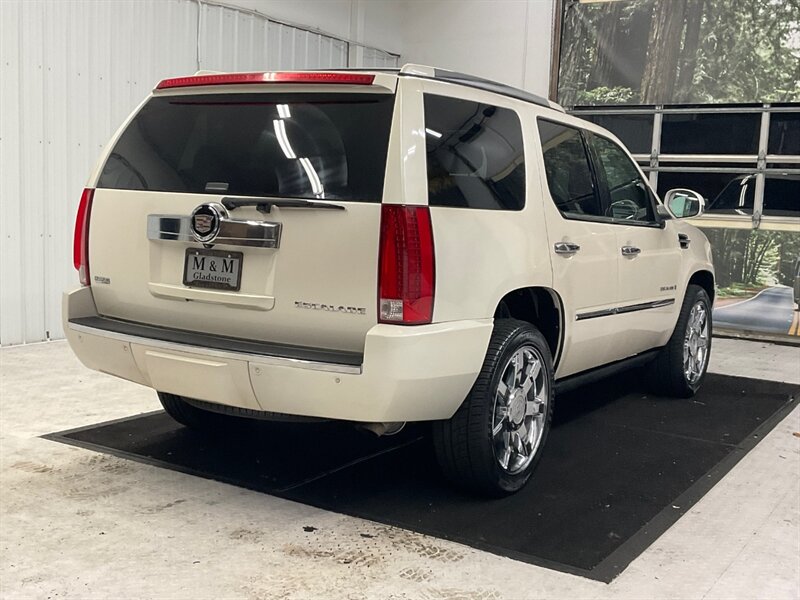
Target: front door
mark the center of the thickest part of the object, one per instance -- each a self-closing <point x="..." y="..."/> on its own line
<point x="648" y="249"/>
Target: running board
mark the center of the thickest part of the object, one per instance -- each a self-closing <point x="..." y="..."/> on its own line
<point x="575" y="381"/>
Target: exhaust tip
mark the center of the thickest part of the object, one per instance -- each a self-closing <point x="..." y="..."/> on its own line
<point x="383" y="429"/>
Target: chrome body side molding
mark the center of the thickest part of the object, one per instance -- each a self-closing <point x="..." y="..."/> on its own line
<point x="624" y="309"/>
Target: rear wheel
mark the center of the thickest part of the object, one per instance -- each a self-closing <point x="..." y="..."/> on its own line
<point x="188" y="415"/>
<point x="494" y="441"/>
<point x="681" y="365"/>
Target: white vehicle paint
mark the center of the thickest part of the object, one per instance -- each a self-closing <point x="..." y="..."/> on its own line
<point x="306" y="332"/>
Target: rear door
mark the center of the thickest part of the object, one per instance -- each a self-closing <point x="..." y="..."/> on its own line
<point x="249" y="214"/>
<point x="583" y="248"/>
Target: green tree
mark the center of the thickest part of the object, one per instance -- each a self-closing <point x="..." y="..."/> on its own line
<point x="666" y="32"/>
<point x="697" y="51"/>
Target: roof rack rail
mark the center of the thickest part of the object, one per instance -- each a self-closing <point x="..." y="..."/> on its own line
<point x="411" y="70"/>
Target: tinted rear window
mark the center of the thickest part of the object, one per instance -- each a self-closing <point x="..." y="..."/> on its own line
<point x="475" y="155"/>
<point x="330" y="146"/>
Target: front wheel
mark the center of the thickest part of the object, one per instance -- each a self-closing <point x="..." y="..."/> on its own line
<point x="681" y="365"/>
<point x="494" y="441"/>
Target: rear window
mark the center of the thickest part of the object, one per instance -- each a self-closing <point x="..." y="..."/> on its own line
<point x="475" y="155"/>
<point x="327" y="146"/>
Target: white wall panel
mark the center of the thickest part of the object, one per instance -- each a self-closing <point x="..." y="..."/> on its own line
<point x="505" y="40"/>
<point x="233" y="40"/>
<point x="70" y="72"/>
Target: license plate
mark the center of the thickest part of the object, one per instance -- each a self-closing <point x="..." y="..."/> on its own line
<point x="216" y="269"/>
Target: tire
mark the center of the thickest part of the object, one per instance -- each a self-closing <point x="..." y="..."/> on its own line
<point x="494" y="441"/>
<point x="679" y="370"/>
<point x="188" y="415"/>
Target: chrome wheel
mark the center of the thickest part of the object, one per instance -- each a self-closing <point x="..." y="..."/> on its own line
<point x="520" y="410"/>
<point x="695" y="343"/>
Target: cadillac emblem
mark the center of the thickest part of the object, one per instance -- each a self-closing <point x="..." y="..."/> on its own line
<point x="206" y="220"/>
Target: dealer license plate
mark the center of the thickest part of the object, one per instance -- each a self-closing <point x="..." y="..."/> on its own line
<point x="216" y="269"/>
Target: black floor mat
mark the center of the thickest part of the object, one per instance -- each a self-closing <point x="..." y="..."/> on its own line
<point x="619" y="468"/>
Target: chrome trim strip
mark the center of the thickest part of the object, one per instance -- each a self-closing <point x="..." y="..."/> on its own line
<point x="232" y="232"/>
<point x="224" y="354"/>
<point x="596" y="313"/>
<point x="624" y="309"/>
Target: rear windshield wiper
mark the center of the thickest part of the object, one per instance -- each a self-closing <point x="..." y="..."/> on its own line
<point x="265" y="205"/>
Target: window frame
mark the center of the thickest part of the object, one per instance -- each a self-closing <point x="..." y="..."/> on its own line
<point x="600" y="185"/>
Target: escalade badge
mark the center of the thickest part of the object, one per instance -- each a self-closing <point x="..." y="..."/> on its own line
<point x="351" y="310"/>
<point x="206" y="220"/>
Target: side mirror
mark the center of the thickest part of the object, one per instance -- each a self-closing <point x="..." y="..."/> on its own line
<point x="683" y="204"/>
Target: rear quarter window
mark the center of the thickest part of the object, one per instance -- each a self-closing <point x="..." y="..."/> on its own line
<point x="475" y="155"/>
<point x="325" y="146"/>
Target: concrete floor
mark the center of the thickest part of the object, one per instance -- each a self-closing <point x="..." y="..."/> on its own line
<point x="78" y="524"/>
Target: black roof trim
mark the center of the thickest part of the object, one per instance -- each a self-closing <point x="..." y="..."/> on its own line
<point x="483" y="84"/>
<point x="464" y="79"/>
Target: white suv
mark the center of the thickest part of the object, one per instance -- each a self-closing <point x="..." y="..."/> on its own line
<point x="382" y="247"/>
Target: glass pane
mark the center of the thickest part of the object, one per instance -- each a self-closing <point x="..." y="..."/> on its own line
<point x="650" y="52"/>
<point x="330" y="146"/>
<point x="628" y="196"/>
<point x="784" y="133"/>
<point x="720" y="133"/>
<point x="783" y="166"/>
<point x="635" y="131"/>
<point x="475" y="155"/>
<point x="781" y="196"/>
<point x="567" y="167"/>
<point x="725" y="193"/>
<point x="756" y="264"/>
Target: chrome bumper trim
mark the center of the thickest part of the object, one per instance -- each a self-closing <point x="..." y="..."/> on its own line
<point x="224" y="354"/>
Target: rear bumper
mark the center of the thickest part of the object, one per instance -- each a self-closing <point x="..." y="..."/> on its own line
<point x="405" y="374"/>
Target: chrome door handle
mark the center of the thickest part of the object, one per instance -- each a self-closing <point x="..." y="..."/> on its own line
<point x="567" y="248"/>
<point x="630" y="250"/>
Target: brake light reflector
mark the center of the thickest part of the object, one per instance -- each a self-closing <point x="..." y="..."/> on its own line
<point x="280" y="77"/>
<point x="406" y="276"/>
<point x="80" y="242"/>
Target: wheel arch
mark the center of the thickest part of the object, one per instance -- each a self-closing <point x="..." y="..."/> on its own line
<point x="540" y="306"/>
<point x="705" y="279"/>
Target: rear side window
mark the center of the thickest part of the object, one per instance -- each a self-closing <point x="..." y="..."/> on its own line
<point x="569" y="176"/>
<point x="475" y="155"/>
<point x="328" y="146"/>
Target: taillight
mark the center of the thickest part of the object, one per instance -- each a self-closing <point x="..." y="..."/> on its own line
<point x="278" y="77"/>
<point x="406" y="265"/>
<point x="80" y="243"/>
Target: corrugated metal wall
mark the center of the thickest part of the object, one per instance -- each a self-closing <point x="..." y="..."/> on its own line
<point x="70" y="72"/>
